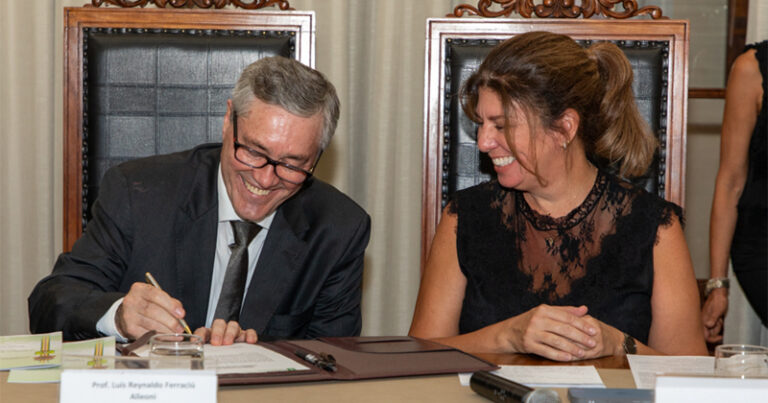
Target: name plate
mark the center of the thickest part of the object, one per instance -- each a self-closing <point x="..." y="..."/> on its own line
<point x="702" y="389"/>
<point x="137" y="385"/>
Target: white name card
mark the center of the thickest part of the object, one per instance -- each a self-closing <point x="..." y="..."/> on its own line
<point x="137" y="385"/>
<point x="682" y="389"/>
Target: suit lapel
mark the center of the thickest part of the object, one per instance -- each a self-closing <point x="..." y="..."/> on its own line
<point x="277" y="268"/>
<point x="195" y="234"/>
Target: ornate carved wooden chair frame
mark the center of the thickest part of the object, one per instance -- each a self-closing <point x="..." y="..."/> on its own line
<point x="442" y="31"/>
<point x="81" y="22"/>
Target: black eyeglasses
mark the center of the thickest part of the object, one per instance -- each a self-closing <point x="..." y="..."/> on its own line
<point x="256" y="160"/>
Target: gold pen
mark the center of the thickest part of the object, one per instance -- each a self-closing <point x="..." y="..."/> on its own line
<point x="151" y="280"/>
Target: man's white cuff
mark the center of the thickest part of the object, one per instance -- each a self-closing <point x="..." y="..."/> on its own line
<point x="107" y="326"/>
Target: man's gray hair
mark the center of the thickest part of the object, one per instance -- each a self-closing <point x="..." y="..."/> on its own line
<point x="290" y="85"/>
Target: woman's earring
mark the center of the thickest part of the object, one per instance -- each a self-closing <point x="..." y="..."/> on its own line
<point x="565" y="145"/>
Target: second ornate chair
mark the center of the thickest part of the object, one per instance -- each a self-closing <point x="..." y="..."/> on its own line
<point x="657" y="49"/>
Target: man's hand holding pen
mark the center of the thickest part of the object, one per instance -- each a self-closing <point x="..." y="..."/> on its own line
<point x="147" y="307"/>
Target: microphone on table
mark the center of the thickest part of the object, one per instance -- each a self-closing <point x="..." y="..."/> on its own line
<point x="503" y="390"/>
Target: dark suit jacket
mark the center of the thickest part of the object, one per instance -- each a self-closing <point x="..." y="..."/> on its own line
<point x="160" y="214"/>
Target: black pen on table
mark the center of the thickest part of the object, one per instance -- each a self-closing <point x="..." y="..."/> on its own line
<point x="320" y="362"/>
<point x="151" y="280"/>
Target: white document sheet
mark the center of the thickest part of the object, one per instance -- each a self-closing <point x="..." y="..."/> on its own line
<point x="645" y="367"/>
<point x="243" y="358"/>
<point x="551" y="376"/>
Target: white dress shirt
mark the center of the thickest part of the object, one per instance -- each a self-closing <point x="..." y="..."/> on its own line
<point x="224" y="237"/>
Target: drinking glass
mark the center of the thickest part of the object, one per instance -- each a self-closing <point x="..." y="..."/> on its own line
<point x="176" y="350"/>
<point x="741" y="361"/>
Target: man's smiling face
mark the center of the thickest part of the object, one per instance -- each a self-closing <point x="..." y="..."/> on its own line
<point x="271" y="130"/>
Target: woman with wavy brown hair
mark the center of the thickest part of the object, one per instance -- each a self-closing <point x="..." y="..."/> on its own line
<point x="556" y="256"/>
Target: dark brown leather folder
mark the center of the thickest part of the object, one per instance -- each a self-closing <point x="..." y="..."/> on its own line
<point x="364" y="358"/>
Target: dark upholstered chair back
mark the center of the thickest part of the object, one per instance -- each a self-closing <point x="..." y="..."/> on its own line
<point x="141" y="82"/>
<point x="657" y="51"/>
<point x="465" y="166"/>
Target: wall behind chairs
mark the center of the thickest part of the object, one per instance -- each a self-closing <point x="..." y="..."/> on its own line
<point x="757" y="26"/>
<point x="373" y="51"/>
<point x="30" y="152"/>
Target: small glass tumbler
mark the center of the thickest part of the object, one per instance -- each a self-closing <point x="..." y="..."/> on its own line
<point x="741" y="361"/>
<point x="176" y="350"/>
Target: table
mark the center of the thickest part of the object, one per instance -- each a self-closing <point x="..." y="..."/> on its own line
<point x="442" y="388"/>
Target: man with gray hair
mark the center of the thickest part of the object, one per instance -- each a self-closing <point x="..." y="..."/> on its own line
<point x="244" y="241"/>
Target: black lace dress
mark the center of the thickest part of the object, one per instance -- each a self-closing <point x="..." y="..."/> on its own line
<point x="599" y="255"/>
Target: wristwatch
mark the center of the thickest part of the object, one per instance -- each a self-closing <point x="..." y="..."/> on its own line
<point x="714" y="283"/>
<point x="629" y="344"/>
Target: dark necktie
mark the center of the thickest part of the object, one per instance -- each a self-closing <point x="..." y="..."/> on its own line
<point x="233" y="288"/>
